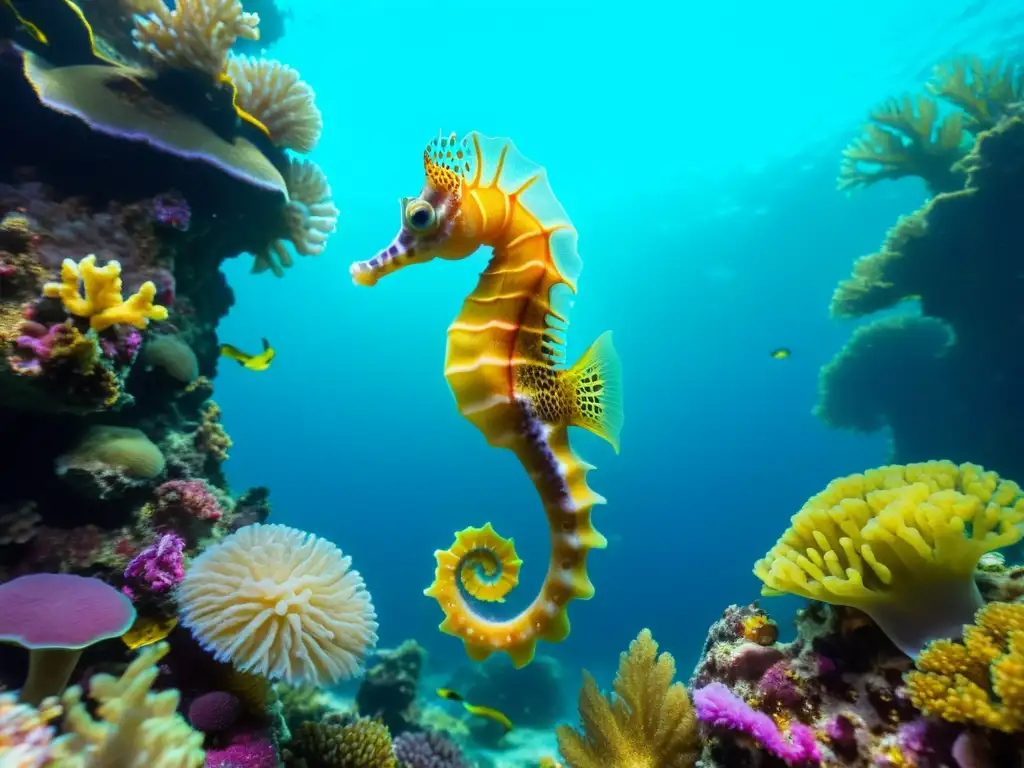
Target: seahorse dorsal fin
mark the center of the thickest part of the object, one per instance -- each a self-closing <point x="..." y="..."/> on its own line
<point x="447" y="162"/>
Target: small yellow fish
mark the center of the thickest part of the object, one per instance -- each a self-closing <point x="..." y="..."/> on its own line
<point x="146" y="631"/>
<point x="782" y="353"/>
<point x="473" y="709"/>
<point x="258" y="362"/>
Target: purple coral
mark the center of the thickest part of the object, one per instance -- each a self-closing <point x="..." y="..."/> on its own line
<point x="721" y="708"/>
<point x="172" y="211"/>
<point x="157" y="568"/>
<point x="428" y="750"/>
<point x="779" y="686"/>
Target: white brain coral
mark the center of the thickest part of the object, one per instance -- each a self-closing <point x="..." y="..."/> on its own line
<point x="310" y="217"/>
<point x="274" y="94"/>
<point x="197" y="34"/>
<point x="281" y="603"/>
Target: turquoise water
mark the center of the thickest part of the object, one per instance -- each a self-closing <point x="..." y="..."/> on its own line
<point x="696" y="151"/>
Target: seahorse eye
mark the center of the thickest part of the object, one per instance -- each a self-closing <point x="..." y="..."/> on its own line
<point x="419" y="214"/>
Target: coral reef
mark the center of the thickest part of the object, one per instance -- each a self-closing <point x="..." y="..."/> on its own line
<point x="138" y="163"/>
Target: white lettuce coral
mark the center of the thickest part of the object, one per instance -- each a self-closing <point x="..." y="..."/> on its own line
<point x="309" y="218"/>
<point x="275" y="95"/>
<point x="197" y="34"/>
<point x="281" y="603"/>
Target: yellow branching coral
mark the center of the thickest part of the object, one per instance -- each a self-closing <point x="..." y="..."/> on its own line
<point x="274" y="94"/>
<point x="906" y="137"/>
<point x="95" y="293"/>
<point x="981" y="680"/>
<point x="901" y="544"/>
<point x="649" y="723"/>
<point x="197" y="34"/>
<point x="983" y="91"/>
<point x="310" y="218"/>
<point x="137" y="728"/>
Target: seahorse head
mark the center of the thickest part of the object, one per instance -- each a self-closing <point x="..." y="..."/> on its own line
<point x="427" y="220"/>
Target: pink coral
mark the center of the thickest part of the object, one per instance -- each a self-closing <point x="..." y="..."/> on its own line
<point x="192" y="498"/>
<point x="721" y="708"/>
<point x="157" y="568"/>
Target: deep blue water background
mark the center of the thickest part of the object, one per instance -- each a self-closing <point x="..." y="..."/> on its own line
<point x="696" y="151"/>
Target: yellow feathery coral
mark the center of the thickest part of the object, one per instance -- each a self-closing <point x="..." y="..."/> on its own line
<point x="274" y="94"/>
<point x="197" y="34"/>
<point x="100" y="299"/>
<point x="979" y="681"/>
<point x="137" y="728"/>
<point x="906" y="138"/>
<point x="901" y="544"/>
<point x="984" y="91"/>
<point x="309" y="218"/>
<point x="281" y="603"/>
<point x="364" y="743"/>
<point x="649" y="723"/>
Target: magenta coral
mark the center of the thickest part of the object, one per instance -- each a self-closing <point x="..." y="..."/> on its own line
<point x="244" y="752"/>
<point x="721" y="708"/>
<point x="778" y="686"/>
<point x="157" y="568"/>
<point x="193" y="497"/>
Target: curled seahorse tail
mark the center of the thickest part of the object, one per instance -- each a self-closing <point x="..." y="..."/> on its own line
<point x="593" y="388"/>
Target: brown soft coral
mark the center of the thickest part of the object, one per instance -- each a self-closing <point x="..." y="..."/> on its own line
<point x="959" y="254"/>
<point x="906" y="137"/>
<point x="649" y="723"/>
<point x="983" y="91"/>
<point x="880" y="280"/>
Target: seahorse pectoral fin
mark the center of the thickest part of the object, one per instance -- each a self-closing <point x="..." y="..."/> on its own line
<point x="595" y="390"/>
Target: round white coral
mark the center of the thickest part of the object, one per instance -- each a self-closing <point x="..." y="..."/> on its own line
<point x="274" y="94"/>
<point x="310" y="217"/>
<point x="281" y="603"/>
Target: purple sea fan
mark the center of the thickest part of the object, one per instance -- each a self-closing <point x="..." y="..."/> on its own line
<point x="719" y="707"/>
<point x="157" y="568"/>
<point x="172" y="211"/>
<point x="428" y="750"/>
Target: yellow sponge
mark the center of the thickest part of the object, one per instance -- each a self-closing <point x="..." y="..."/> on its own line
<point x="901" y="544"/>
<point x="95" y="293"/>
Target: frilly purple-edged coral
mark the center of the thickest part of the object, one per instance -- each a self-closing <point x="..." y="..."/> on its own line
<point x="157" y="569"/>
<point x="719" y="707"/>
<point x="428" y="749"/>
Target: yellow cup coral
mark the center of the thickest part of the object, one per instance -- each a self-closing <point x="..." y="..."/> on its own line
<point x="901" y="544"/>
<point x="979" y="681"/>
<point x="281" y="603"/>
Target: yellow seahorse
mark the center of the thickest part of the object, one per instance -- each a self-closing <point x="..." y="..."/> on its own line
<point x="504" y="367"/>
